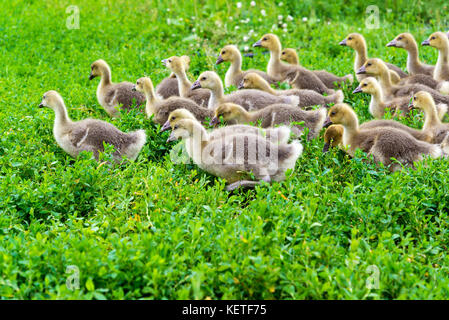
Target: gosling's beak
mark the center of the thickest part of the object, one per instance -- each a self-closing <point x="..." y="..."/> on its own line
<point x="91" y="76"/>
<point x="342" y="43"/>
<point x="240" y="86"/>
<point x="171" y="138"/>
<point x="326" y="147"/>
<point x="357" y="90"/>
<point x="41" y="105"/>
<point x="214" y="121"/>
<point x="258" y="44"/>
<point x="362" y="70"/>
<point x="195" y="85"/>
<point x="166" y="126"/>
<point x="392" y="43"/>
<point x="327" y="122"/>
<point x="425" y="43"/>
<point x="219" y="60"/>
<point x="134" y="88"/>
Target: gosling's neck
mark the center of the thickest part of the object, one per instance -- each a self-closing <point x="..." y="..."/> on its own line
<point x="105" y="77"/>
<point x="385" y="81"/>
<point x="216" y="96"/>
<point x="442" y="66"/>
<point x="351" y="128"/>
<point x="274" y="64"/>
<point x="412" y="57"/>
<point x="431" y="117"/>
<point x="199" y="139"/>
<point x="265" y="86"/>
<point x="62" y="119"/>
<point x="150" y="95"/>
<point x="361" y="55"/>
<point x="183" y="83"/>
<point x="235" y="69"/>
<point x="377" y="105"/>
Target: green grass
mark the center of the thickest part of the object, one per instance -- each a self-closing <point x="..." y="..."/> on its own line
<point x="156" y="230"/>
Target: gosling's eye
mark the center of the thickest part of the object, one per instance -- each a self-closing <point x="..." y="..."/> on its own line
<point x="400" y="38"/>
<point x="365" y="85"/>
<point x="265" y="39"/>
<point x="433" y="38"/>
<point x="176" y="127"/>
<point x="333" y="113"/>
<point x="350" y="38"/>
<point x="203" y="78"/>
<point x="368" y="64"/>
<point x="169" y="60"/>
<point x="223" y="52"/>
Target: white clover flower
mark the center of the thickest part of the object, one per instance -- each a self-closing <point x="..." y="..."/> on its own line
<point x="245" y="38"/>
<point x="237" y="27"/>
<point x="289" y="18"/>
<point x="239" y="5"/>
<point x="328" y="23"/>
<point x="251" y="32"/>
<point x="168" y="9"/>
<point x="284" y="25"/>
<point x="280" y="17"/>
<point x="168" y="21"/>
<point x="194" y="29"/>
<point x="304" y="19"/>
<point x="246" y="48"/>
<point x="253" y="3"/>
<point x="231" y="18"/>
<point x="280" y="4"/>
<point x="285" y="30"/>
<point x="263" y="12"/>
<point x="318" y="20"/>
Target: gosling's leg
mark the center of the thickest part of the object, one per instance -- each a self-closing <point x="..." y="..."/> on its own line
<point x="247" y="183"/>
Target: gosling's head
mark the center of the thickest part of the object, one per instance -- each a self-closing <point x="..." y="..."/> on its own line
<point x="228" y="53"/>
<point x="422" y="100"/>
<point x="250" y="81"/>
<point x="228" y="112"/>
<point x="97" y="68"/>
<point x="269" y="41"/>
<point x="437" y="40"/>
<point x="182" y="129"/>
<point x="368" y="85"/>
<point x="175" y="64"/>
<point x="142" y="84"/>
<point x="372" y="67"/>
<point x="353" y="40"/>
<point x="208" y="80"/>
<point x="333" y="137"/>
<point x="341" y="113"/>
<point x="290" y="56"/>
<point x="51" y="99"/>
<point x="175" y="117"/>
<point x="404" y="40"/>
